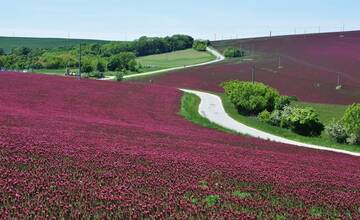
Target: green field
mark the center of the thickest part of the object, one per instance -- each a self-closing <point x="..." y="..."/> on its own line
<point x="174" y="59"/>
<point x="7" y="43"/>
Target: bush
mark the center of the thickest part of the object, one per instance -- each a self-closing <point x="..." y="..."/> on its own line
<point x="353" y="139"/>
<point x="200" y="45"/>
<point x="336" y="131"/>
<point x="119" y="76"/>
<point x="282" y="101"/>
<point x="233" y="52"/>
<point x="250" y="98"/>
<point x="351" y="120"/>
<point x="303" y="121"/>
<point x="275" y="118"/>
<point x="265" y="116"/>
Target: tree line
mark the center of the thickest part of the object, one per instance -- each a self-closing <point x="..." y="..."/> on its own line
<point x="113" y="56"/>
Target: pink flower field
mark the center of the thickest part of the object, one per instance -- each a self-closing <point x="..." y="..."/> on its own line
<point x="91" y="149"/>
<point x="310" y="67"/>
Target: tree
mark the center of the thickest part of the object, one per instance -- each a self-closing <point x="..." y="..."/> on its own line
<point x="87" y="66"/>
<point x="233" y="52"/>
<point x="351" y="122"/>
<point x="303" y="121"/>
<point x="100" y="66"/>
<point x="21" y="51"/>
<point x="250" y="98"/>
<point x="200" y="45"/>
<point x="122" y="61"/>
<point x="2" y="51"/>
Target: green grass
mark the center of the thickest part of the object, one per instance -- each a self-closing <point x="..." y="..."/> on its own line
<point x="326" y="112"/>
<point x="173" y="59"/>
<point x="51" y="71"/>
<point x="323" y="140"/>
<point x="7" y="43"/>
<point x="190" y="110"/>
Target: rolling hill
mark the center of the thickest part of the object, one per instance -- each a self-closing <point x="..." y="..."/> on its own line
<point x="7" y="43"/>
<point x="311" y="66"/>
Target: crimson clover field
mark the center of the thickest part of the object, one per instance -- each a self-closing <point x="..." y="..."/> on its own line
<point x="310" y="66"/>
<point x="93" y="149"/>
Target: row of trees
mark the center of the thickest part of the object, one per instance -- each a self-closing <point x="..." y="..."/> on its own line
<point x="113" y="56"/>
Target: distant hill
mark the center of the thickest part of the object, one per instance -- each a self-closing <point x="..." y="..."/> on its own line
<point x="7" y="43"/>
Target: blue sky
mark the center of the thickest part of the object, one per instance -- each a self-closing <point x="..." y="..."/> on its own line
<point x="207" y="19"/>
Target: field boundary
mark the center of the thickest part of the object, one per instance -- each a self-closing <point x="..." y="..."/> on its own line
<point x="211" y="108"/>
<point x="218" y="57"/>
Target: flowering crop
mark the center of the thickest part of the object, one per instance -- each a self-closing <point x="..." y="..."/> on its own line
<point x="82" y="149"/>
<point x="310" y="67"/>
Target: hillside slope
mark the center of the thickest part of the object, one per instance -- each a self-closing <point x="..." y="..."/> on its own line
<point x="310" y="67"/>
<point x="76" y="148"/>
<point x="7" y="43"/>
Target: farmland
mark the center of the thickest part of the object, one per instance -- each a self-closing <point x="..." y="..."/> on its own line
<point x="310" y="66"/>
<point x="123" y="151"/>
<point x="173" y="59"/>
<point x="7" y="43"/>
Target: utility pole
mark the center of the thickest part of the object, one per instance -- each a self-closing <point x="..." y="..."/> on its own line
<point x="253" y="73"/>
<point x="279" y="63"/>
<point x="79" y="74"/>
<point x="339" y="79"/>
<point x="270" y="34"/>
<point x="319" y="29"/>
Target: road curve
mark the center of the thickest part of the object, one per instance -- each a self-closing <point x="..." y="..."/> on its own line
<point x="219" y="57"/>
<point x="211" y="107"/>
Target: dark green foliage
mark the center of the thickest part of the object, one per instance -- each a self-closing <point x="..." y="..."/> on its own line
<point x="303" y="121"/>
<point x="119" y="76"/>
<point x="21" y="51"/>
<point x="2" y="51"/>
<point x="282" y="101"/>
<point x="155" y="45"/>
<point x="67" y="57"/>
<point x="122" y="61"/>
<point x="233" y="52"/>
<point x="87" y="66"/>
<point x="100" y="66"/>
<point x="200" y="45"/>
<point x="250" y="98"/>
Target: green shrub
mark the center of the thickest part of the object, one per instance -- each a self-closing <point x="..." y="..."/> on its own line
<point x="250" y="98"/>
<point x="282" y="101"/>
<point x="353" y="139"/>
<point x="264" y="116"/>
<point x="336" y="131"/>
<point x="351" y="121"/>
<point x="275" y="118"/>
<point x="233" y="52"/>
<point x="119" y="76"/>
<point x="303" y="121"/>
<point x="200" y="45"/>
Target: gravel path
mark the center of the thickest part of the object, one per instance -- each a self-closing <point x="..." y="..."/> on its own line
<point x="219" y="57"/>
<point x="211" y="107"/>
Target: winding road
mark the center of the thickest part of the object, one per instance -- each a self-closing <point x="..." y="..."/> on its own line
<point x="211" y="107"/>
<point x="219" y="57"/>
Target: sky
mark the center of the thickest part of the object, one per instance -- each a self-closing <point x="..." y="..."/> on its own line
<point x="204" y="19"/>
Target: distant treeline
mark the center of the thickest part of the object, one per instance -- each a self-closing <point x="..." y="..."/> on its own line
<point x="95" y="57"/>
